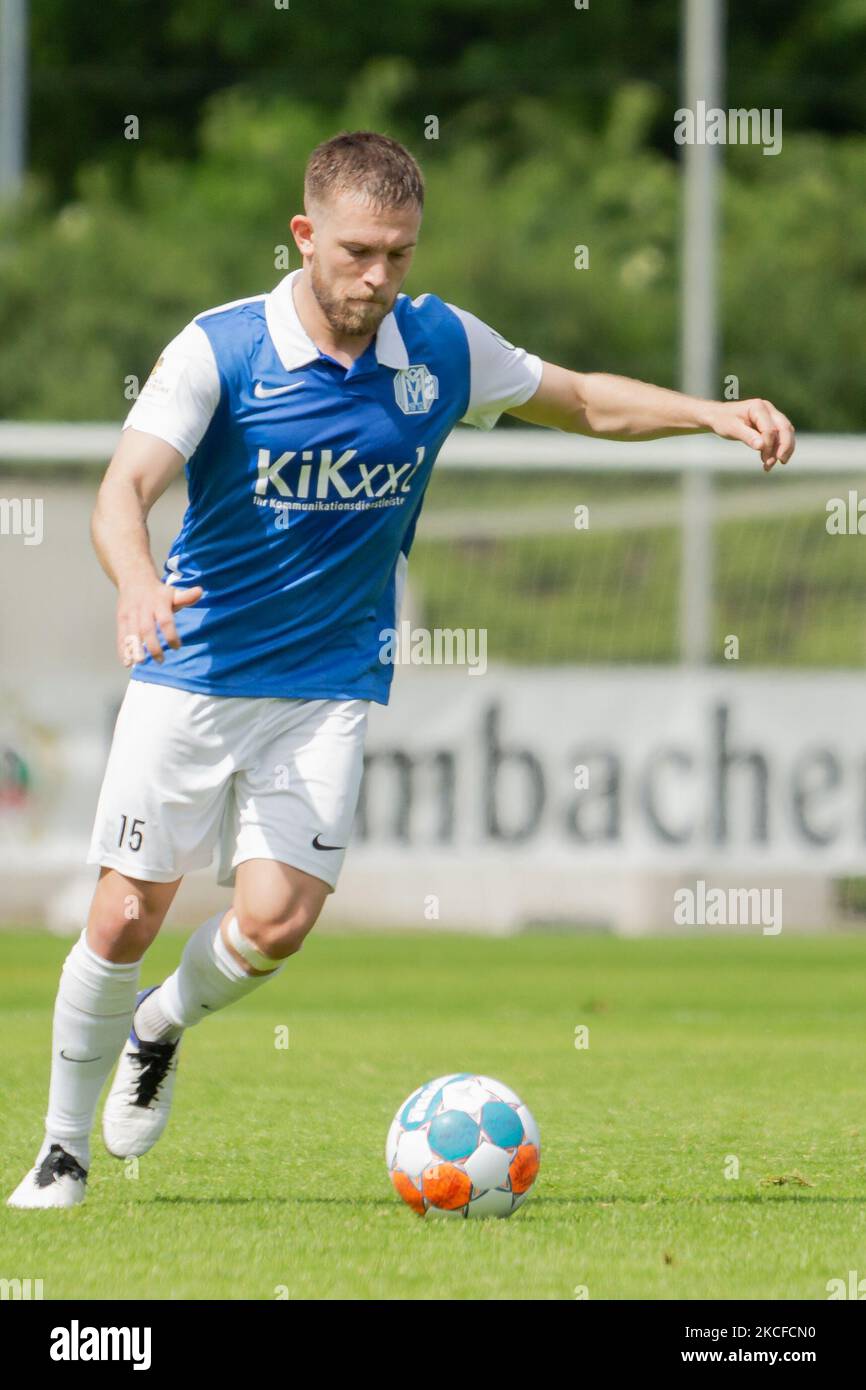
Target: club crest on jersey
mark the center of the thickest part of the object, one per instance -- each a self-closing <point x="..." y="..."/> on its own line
<point x="415" y="389"/>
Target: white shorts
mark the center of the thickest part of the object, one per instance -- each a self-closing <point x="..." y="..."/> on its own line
<point x="261" y="778"/>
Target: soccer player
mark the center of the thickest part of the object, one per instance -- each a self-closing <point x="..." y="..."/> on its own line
<point x="308" y="420"/>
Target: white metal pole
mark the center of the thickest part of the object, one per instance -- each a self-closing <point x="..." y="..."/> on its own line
<point x="13" y="95"/>
<point x="702" y="82"/>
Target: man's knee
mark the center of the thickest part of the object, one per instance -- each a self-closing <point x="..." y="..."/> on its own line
<point x="282" y="932"/>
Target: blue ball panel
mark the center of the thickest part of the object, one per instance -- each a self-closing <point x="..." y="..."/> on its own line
<point x="453" y="1134"/>
<point x="502" y="1124"/>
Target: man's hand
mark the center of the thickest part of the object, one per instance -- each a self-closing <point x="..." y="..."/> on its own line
<point x="756" y="423"/>
<point x="141" y="608"/>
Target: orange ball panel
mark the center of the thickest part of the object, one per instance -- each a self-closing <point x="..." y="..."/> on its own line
<point x="446" y="1186"/>
<point x="407" y="1190"/>
<point x="524" y="1168"/>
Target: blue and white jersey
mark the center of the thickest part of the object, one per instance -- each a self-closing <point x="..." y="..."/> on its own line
<point x="305" y="482"/>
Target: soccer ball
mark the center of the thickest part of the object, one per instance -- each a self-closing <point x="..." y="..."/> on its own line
<point x="463" y="1145"/>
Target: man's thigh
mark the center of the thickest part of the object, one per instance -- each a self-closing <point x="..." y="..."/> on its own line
<point x="167" y="781"/>
<point x="296" y="803"/>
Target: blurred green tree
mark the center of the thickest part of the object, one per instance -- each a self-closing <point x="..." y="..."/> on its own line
<point x="90" y="291"/>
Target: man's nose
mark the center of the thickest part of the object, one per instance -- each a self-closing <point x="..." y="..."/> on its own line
<point x="376" y="276"/>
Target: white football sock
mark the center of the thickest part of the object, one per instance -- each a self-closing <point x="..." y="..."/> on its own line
<point x="208" y="978"/>
<point x="151" y="1024"/>
<point x="92" y="1016"/>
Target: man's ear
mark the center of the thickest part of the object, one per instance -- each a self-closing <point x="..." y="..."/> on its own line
<point x="302" y="230"/>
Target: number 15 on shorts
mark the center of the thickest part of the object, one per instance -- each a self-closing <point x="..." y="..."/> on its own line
<point x="134" y="837"/>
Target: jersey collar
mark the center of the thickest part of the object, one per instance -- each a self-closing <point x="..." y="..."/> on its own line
<point x="294" y="345"/>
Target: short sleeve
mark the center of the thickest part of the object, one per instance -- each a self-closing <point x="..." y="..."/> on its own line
<point x="502" y="376"/>
<point x="179" y="398"/>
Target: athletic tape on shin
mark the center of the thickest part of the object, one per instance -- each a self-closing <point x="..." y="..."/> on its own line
<point x="247" y="950"/>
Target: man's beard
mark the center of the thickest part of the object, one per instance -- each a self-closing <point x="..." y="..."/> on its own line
<point x="346" y="317"/>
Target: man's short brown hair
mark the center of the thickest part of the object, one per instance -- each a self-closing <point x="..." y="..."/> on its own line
<point x="367" y="164"/>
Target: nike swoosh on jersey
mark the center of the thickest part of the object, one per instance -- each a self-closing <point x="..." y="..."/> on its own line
<point x="263" y="392"/>
<point x="316" y="845"/>
<point x="175" y="576"/>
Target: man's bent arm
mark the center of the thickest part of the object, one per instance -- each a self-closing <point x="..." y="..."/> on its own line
<point x="140" y="471"/>
<point x="618" y="407"/>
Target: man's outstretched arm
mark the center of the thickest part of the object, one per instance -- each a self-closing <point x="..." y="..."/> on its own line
<point x="617" y="407"/>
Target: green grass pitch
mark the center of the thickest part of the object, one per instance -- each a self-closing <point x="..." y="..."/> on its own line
<point x="270" y="1180"/>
